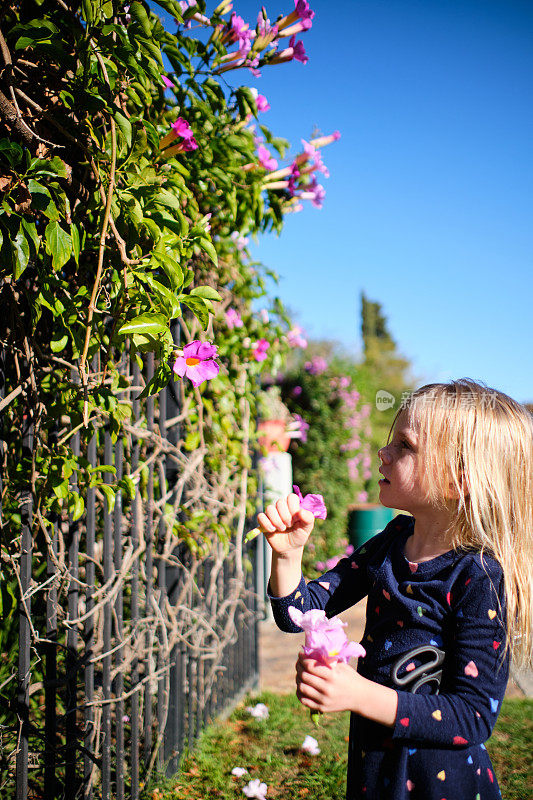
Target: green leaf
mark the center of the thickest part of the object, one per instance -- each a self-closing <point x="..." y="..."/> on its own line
<point x="138" y="13"/>
<point x="31" y="231"/>
<point x="206" y="292"/>
<point x="48" y="166"/>
<point x="21" y="253"/>
<point x="59" y="344"/>
<point x="192" y="440"/>
<point x="42" y="199"/>
<point x="209" y="248"/>
<point x="124" y="126"/>
<point x="147" y="324"/>
<point x="76" y="506"/>
<point x="198" y="307"/>
<point x="11" y="151"/>
<point x="109" y="493"/>
<point x="76" y="245"/>
<point x="59" y="244"/>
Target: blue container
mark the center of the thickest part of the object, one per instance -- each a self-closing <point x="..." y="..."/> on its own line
<point x="365" y="520"/>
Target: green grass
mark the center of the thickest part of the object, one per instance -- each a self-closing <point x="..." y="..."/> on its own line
<point x="270" y="750"/>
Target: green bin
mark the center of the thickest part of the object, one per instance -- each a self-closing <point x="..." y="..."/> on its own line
<point x="365" y="520"/>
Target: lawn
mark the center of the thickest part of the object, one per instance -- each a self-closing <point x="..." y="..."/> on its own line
<point x="270" y="751"/>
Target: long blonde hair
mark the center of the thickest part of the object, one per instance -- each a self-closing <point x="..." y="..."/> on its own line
<point x="480" y="441"/>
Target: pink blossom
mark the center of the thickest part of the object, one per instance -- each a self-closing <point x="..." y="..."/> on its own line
<point x="312" y="502"/>
<point x="298" y="50"/>
<point x="263" y="313"/>
<point x="301" y="7"/>
<point x="265" y="159"/>
<point x="332" y="562"/>
<point x="314" y="192"/>
<point x="316" y="366"/>
<point x="182" y="128"/>
<point x="344" y="382"/>
<point x="260" y="100"/>
<point x="352" y="469"/>
<point x="325" y="639"/>
<point x="295" y="338"/>
<point x="255" y="789"/>
<point x="260" y="349"/>
<point x="239" y="240"/>
<point x="362" y="497"/>
<point x="296" y="392"/>
<point x="168" y="83"/>
<point x="303" y="427"/>
<point x="349" y="550"/>
<point x="233" y="319"/>
<point x="310" y="745"/>
<point x="197" y="362"/>
<point x="259" y="711"/>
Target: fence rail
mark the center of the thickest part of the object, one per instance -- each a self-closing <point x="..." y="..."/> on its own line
<point x="128" y="641"/>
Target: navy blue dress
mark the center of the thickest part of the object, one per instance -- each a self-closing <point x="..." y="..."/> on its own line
<point x="435" y="633"/>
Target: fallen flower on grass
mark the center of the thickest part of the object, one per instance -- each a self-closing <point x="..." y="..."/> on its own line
<point x="259" y="711"/>
<point x="310" y="745"/>
<point x="239" y="771"/>
<point x="255" y="789"/>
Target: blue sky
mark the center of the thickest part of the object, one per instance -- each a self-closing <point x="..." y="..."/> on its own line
<point x="429" y="206"/>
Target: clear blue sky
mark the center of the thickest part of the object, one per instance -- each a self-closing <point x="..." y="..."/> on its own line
<point x="429" y="206"/>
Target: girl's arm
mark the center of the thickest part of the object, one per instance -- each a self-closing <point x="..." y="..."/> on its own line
<point x="461" y="716"/>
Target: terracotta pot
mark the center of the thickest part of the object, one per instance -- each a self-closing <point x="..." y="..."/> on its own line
<point x="273" y="435"/>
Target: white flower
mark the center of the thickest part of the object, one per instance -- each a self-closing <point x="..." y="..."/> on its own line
<point x="256" y="789"/>
<point x="239" y="771"/>
<point x="310" y="745"/>
<point x="259" y="711"/>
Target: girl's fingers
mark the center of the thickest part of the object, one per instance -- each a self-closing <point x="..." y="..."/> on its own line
<point x="264" y="523"/>
<point x="275" y="519"/>
<point x="283" y="511"/>
<point x="293" y="503"/>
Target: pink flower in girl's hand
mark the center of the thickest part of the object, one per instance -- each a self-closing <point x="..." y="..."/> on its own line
<point x="325" y="640"/>
<point x="312" y="502"/>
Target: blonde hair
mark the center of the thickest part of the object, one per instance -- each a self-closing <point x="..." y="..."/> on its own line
<point x="480" y="442"/>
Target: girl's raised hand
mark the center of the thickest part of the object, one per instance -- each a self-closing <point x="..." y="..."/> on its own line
<point x="286" y="526"/>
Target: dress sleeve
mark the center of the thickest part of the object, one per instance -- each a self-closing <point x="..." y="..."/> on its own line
<point x="475" y="672"/>
<point x="335" y="591"/>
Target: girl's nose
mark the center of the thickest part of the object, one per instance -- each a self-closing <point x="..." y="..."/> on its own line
<point x="383" y="455"/>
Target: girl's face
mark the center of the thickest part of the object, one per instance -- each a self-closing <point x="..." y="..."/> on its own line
<point x="401" y="486"/>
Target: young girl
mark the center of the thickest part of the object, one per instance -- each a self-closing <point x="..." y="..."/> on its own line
<point x="449" y="593"/>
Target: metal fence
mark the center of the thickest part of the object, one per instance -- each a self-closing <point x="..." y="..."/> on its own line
<point x="128" y="641"/>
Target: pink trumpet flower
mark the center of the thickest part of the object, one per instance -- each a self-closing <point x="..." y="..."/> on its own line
<point x="312" y="502"/>
<point x="301" y="12"/>
<point x="233" y="319"/>
<point x="265" y="159"/>
<point x="197" y="362"/>
<point x="260" y="349"/>
<point x="168" y="83"/>
<point x="325" y="639"/>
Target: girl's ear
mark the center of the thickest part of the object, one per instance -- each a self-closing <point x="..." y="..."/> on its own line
<point x="453" y="491"/>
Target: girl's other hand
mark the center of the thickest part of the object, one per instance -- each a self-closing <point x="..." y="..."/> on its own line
<point x="286" y="526"/>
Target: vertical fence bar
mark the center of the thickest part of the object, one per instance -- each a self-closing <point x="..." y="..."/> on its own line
<point x="23" y="693"/>
<point x="88" y="628"/>
<point x="119" y="608"/>
<point x="174" y="726"/>
<point x="106" y="742"/>
<point x="135" y="536"/>
<point x="71" y="661"/>
<point x="149" y="574"/>
<point x="162" y="696"/>
<point x="50" y="674"/>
